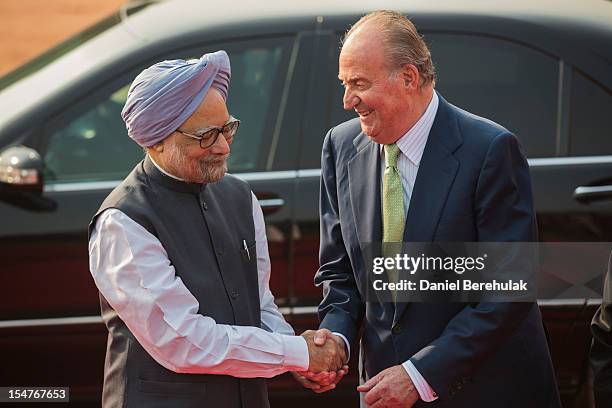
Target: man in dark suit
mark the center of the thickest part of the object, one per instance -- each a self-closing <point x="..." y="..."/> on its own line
<point x="414" y="168"/>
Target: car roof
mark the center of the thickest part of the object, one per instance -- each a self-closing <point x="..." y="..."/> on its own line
<point x="587" y="24"/>
<point x="596" y="14"/>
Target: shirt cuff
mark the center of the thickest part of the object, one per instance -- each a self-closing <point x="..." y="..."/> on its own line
<point x="296" y="353"/>
<point x="426" y="393"/>
<point x="346" y="343"/>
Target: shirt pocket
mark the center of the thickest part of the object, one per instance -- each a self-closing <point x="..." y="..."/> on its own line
<point x="248" y="251"/>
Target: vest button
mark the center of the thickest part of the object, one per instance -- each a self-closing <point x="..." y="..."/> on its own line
<point x="397" y="329"/>
<point x="219" y="252"/>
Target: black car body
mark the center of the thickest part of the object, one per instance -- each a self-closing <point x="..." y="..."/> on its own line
<point x="541" y="69"/>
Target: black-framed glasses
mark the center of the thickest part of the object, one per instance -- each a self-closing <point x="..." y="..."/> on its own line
<point x="208" y="136"/>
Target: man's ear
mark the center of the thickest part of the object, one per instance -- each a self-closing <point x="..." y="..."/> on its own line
<point x="158" y="147"/>
<point x="411" y="77"/>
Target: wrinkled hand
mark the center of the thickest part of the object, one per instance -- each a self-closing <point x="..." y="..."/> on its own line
<point x="323" y="381"/>
<point x="324" y="353"/>
<point x="320" y="382"/>
<point x="390" y="388"/>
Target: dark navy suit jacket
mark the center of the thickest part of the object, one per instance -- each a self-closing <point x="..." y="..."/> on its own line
<point x="473" y="184"/>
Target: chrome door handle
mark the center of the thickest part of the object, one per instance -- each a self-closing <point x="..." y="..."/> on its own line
<point x="587" y="194"/>
<point x="271" y="203"/>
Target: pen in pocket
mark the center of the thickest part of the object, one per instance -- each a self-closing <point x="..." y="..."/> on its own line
<point x="246" y="249"/>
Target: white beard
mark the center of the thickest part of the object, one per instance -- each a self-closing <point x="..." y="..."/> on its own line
<point x="208" y="169"/>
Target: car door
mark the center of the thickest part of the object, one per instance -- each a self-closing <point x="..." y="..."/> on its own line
<point x="87" y="152"/>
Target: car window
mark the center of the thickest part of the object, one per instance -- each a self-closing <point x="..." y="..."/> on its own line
<point x="511" y="84"/>
<point x="94" y="145"/>
<point x="590" y="118"/>
<point x="89" y="142"/>
<point x="258" y="75"/>
<point x="508" y="83"/>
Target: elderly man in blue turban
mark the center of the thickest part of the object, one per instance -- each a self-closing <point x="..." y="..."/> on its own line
<point x="179" y="254"/>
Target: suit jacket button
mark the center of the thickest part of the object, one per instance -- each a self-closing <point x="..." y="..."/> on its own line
<point x="235" y="295"/>
<point x="397" y="329"/>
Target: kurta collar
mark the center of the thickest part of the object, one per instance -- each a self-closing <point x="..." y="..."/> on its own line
<point x="169" y="181"/>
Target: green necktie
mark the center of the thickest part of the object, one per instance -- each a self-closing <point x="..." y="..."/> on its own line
<point x="394" y="216"/>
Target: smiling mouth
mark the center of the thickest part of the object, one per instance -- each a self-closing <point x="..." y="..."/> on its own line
<point x="364" y="114"/>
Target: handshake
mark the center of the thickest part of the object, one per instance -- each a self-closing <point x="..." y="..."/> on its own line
<point x="392" y="387"/>
<point x="327" y="361"/>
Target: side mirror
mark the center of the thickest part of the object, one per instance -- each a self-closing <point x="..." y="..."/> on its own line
<point x="21" y="168"/>
<point x="21" y="179"/>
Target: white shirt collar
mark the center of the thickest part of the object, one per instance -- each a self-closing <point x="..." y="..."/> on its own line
<point x="164" y="171"/>
<point x="412" y="143"/>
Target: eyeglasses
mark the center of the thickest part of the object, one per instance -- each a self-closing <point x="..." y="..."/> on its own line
<point x="208" y="136"/>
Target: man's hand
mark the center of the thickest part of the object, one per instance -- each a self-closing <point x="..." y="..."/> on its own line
<point x="390" y="388"/>
<point x="323" y="381"/>
<point x="318" y="383"/>
<point x="324" y="353"/>
<point x="326" y="377"/>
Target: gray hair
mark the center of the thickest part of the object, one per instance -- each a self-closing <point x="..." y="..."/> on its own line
<point x="403" y="44"/>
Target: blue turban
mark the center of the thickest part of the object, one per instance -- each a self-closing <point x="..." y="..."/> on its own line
<point x="166" y="94"/>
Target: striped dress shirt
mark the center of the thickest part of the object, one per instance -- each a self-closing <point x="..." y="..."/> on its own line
<point x="411" y="145"/>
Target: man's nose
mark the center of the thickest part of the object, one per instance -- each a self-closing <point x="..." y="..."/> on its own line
<point x="350" y="100"/>
<point x="221" y="146"/>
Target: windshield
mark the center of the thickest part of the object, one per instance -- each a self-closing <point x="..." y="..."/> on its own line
<point x="56" y="52"/>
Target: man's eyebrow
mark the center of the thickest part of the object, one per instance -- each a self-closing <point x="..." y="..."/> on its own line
<point x="210" y="127"/>
<point x="350" y="80"/>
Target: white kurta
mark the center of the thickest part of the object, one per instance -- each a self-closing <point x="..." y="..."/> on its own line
<point x="132" y="271"/>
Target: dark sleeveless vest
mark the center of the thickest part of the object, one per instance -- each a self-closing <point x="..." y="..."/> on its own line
<point x="202" y="228"/>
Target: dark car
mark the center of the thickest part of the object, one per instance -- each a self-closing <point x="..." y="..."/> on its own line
<point x="543" y="70"/>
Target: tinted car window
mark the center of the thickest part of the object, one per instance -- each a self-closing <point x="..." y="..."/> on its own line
<point x="257" y="79"/>
<point x="511" y="84"/>
<point x="508" y="83"/>
<point x="94" y="145"/>
<point x="590" y="119"/>
<point x="90" y="143"/>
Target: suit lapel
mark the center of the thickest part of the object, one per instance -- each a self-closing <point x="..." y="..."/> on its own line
<point x="435" y="177"/>
<point x="364" y="186"/>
